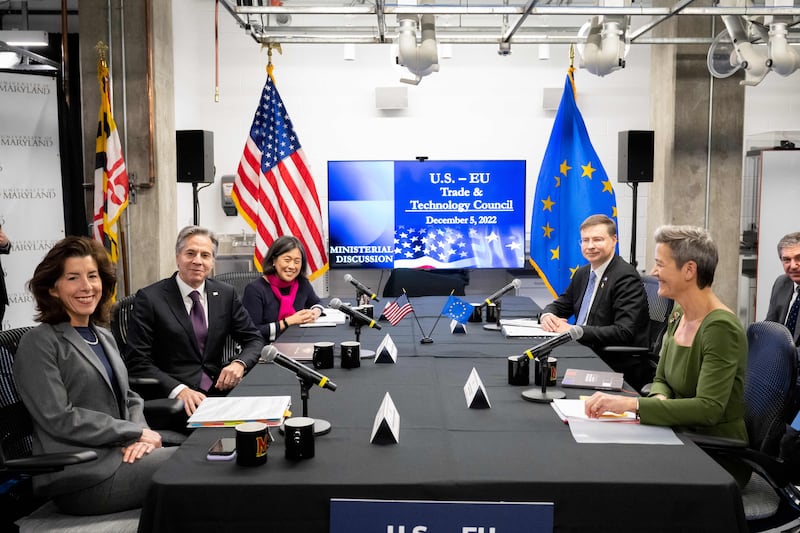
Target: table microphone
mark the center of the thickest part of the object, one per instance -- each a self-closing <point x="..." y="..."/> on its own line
<point x="361" y="287"/>
<point x="515" y="284"/>
<point x="574" y="333"/>
<point x="270" y="354"/>
<point x="336" y="303"/>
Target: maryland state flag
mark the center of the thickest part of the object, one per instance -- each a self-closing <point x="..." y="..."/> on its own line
<point x="110" y="175"/>
<point x="572" y="185"/>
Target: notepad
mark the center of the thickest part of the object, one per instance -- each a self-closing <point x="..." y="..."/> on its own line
<point x="299" y="351"/>
<point x="592" y="379"/>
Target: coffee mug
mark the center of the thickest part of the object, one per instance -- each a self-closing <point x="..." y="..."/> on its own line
<point x="368" y="310"/>
<point x="351" y="354"/>
<point x="477" y="313"/>
<point x="519" y="370"/>
<point x="491" y="313"/>
<point x="537" y="376"/>
<point x="323" y="355"/>
<point x="299" y="433"/>
<point x="251" y="443"/>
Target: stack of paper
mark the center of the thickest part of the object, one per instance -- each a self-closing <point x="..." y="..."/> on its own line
<point x="566" y="409"/>
<point x="214" y="411"/>
<point x="330" y="317"/>
<point x="524" y="327"/>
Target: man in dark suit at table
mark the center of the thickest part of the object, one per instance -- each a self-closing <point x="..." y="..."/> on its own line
<point x="608" y="300"/>
<point x="180" y="325"/>
<point x="784" y="302"/>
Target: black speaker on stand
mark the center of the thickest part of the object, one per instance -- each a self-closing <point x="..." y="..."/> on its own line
<point x="635" y="166"/>
<point x="194" y="151"/>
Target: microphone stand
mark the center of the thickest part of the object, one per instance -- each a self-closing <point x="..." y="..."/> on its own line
<point x="543" y="395"/>
<point x="321" y="427"/>
<point x="496" y="326"/>
<point x="357" y="325"/>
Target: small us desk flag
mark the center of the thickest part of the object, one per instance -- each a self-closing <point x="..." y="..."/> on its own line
<point x="110" y="174"/>
<point x="274" y="190"/>
<point x="397" y="310"/>
<point x="572" y="185"/>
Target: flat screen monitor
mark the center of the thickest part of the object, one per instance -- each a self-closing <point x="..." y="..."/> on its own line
<point x="426" y="214"/>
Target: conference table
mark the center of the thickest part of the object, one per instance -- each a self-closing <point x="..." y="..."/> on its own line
<point x="514" y="451"/>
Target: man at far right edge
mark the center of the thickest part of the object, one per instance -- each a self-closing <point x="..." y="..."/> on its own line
<point x="609" y="303"/>
<point x="784" y="302"/>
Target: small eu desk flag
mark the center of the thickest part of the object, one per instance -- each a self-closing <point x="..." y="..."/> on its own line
<point x="457" y="309"/>
<point x="572" y="185"/>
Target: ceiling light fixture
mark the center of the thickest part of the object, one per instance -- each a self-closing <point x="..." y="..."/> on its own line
<point x="28" y="38"/>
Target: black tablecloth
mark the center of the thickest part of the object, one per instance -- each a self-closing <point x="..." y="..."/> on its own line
<point x="514" y="451"/>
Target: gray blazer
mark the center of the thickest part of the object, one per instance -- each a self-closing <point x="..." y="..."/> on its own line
<point x="779" y="303"/>
<point x="72" y="403"/>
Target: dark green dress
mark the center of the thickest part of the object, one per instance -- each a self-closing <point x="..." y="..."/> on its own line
<point x="704" y="382"/>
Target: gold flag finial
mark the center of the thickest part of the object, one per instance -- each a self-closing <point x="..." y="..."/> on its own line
<point x="572" y="56"/>
<point x="102" y="51"/>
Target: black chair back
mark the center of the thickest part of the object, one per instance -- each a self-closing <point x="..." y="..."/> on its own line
<point x="16" y="429"/>
<point x="121" y="315"/>
<point x="659" y="308"/>
<point x="769" y="385"/>
<point x="238" y="280"/>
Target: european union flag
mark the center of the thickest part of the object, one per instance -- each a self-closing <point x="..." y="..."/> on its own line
<point x="572" y="185"/>
<point x="457" y="309"/>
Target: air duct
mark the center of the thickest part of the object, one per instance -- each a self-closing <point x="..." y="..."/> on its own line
<point x="782" y="58"/>
<point x="752" y="58"/>
<point x="420" y="58"/>
<point x="605" y="47"/>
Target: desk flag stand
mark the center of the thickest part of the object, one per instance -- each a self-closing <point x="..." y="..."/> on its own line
<point x="426" y="339"/>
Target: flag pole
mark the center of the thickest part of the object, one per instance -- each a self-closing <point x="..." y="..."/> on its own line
<point x="428" y="337"/>
<point x="424" y="339"/>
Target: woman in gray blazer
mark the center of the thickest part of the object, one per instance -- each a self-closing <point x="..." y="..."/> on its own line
<point x="72" y="380"/>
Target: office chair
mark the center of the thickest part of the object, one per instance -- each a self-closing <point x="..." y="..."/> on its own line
<point x="165" y="415"/>
<point x="659" y="309"/>
<point x="238" y="280"/>
<point x="770" y="393"/>
<point x="18" y="464"/>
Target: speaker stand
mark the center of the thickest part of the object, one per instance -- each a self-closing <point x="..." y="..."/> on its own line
<point x="196" y="204"/>
<point x="635" y="187"/>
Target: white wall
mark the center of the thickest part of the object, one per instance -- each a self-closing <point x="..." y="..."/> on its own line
<point x="479" y="105"/>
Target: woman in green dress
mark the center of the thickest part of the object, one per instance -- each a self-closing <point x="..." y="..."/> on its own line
<point x="699" y="382"/>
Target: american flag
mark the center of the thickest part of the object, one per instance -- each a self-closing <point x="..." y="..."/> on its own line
<point x="274" y="190"/>
<point x="110" y="174"/>
<point x="397" y="310"/>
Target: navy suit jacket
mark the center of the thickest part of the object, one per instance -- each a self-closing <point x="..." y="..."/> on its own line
<point x="779" y="300"/>
<point x="619" y="315"/>
<point x="72" y="403"/>
<point x="3" y="293"/>
<point x="161" y="341"/>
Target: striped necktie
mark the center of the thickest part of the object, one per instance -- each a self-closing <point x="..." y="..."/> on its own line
<point x="791" y="318"/>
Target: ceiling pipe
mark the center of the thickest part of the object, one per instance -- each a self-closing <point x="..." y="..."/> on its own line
<point x="423" y="58"/>
<point x="753" y="59"/>
<point x="781" y="57"/>
<point x="604" y="50"/>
